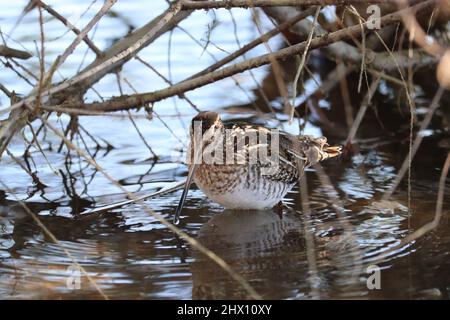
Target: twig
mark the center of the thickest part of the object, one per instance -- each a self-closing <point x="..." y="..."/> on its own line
<point x="166" y="189"/>
<point x="69" y="25"/>
<point x="227" y="4"/>
<point x="112" y="58"/>
<point x="430" y="226"/>
<point x="346" y="101"/>
<point x="235" y="79"/>
<point x="276" y="68"/>
<point x="148" y="65"/>
<point x="363" y="49"/>
<point x="41" y="60"/>
<point x="137" y="100"/>
<point x="430" y="45"/>
<point x="8" y="65"/>
<point x="14" y="53"/>
<point x="25" y="69"/>
<point x="418" y="140"/>
<point x="60" y="59"/>
<point x="130" y="116"/>
<point x="265" y="37"/>
<point x="32" y="175"/>
<point x="83" y="112"/>
<point x="302" y="63"/>
<point x="361" y="112"/>
<point x="6" y="91"/>
<point x="258" y="88"/>
<point x="56" y="241"/>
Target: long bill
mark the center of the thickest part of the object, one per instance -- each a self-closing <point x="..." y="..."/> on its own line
<point x="197" y="151"/>
<point x="187" y="185"/>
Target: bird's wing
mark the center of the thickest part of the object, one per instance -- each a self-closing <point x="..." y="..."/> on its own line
<point x="287" y="154"/>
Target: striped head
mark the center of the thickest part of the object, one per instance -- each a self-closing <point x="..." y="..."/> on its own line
<point x="204" y="127"/>
<point x="208" y="121"/>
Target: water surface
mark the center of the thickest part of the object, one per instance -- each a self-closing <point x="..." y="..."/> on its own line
<point x="130" y="254"/>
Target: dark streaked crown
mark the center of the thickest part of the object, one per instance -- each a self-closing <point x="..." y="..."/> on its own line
<point x="207" y="119"/>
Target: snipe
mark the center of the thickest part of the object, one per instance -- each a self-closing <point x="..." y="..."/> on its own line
<point x="247" y="167"/>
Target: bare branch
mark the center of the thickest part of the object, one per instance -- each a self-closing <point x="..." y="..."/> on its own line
<point x="265" y="37"/>
<point x="67" y="23"/>
<point x="14" y="53"/>
<point x="227" y="4"/>
<point x="113" y="58"/>
<point x="138" y="100"/>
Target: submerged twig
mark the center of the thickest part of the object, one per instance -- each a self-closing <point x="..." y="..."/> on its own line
<point x="313" y="276"/>
<point x="167" y="189"/>
<point x="430" y="226"/>
<point x="439" y="202"/>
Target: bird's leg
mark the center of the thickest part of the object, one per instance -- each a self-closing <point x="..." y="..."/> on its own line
<point x="278" y="209"/>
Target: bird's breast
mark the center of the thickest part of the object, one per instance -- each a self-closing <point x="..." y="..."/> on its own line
<point x="240" y="186"/>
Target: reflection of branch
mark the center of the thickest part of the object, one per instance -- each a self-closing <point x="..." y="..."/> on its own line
<point x="438" y="214"/>
<point x="167" y="189"/>
<point x="362" y="110"/>
<point x="50" y="234"/>
<point x="348" y="237"/>
<point x="309" y="239"/>
<point x="430" y="226"/>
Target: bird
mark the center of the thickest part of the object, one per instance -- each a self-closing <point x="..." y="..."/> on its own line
<point x="247" y="167"/>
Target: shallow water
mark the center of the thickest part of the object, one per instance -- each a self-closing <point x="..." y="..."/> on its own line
<point x="130" y="254"/>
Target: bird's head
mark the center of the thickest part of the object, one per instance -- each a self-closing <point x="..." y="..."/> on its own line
<point x="206" y="121"/>
<point x="204" y="127"/>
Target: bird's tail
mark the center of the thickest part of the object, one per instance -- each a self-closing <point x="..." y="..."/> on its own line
<point x="317" y="149"/>
<point x="330" y="152"/>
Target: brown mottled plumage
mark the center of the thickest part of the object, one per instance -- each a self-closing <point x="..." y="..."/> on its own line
<point x="249" y="185"/>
